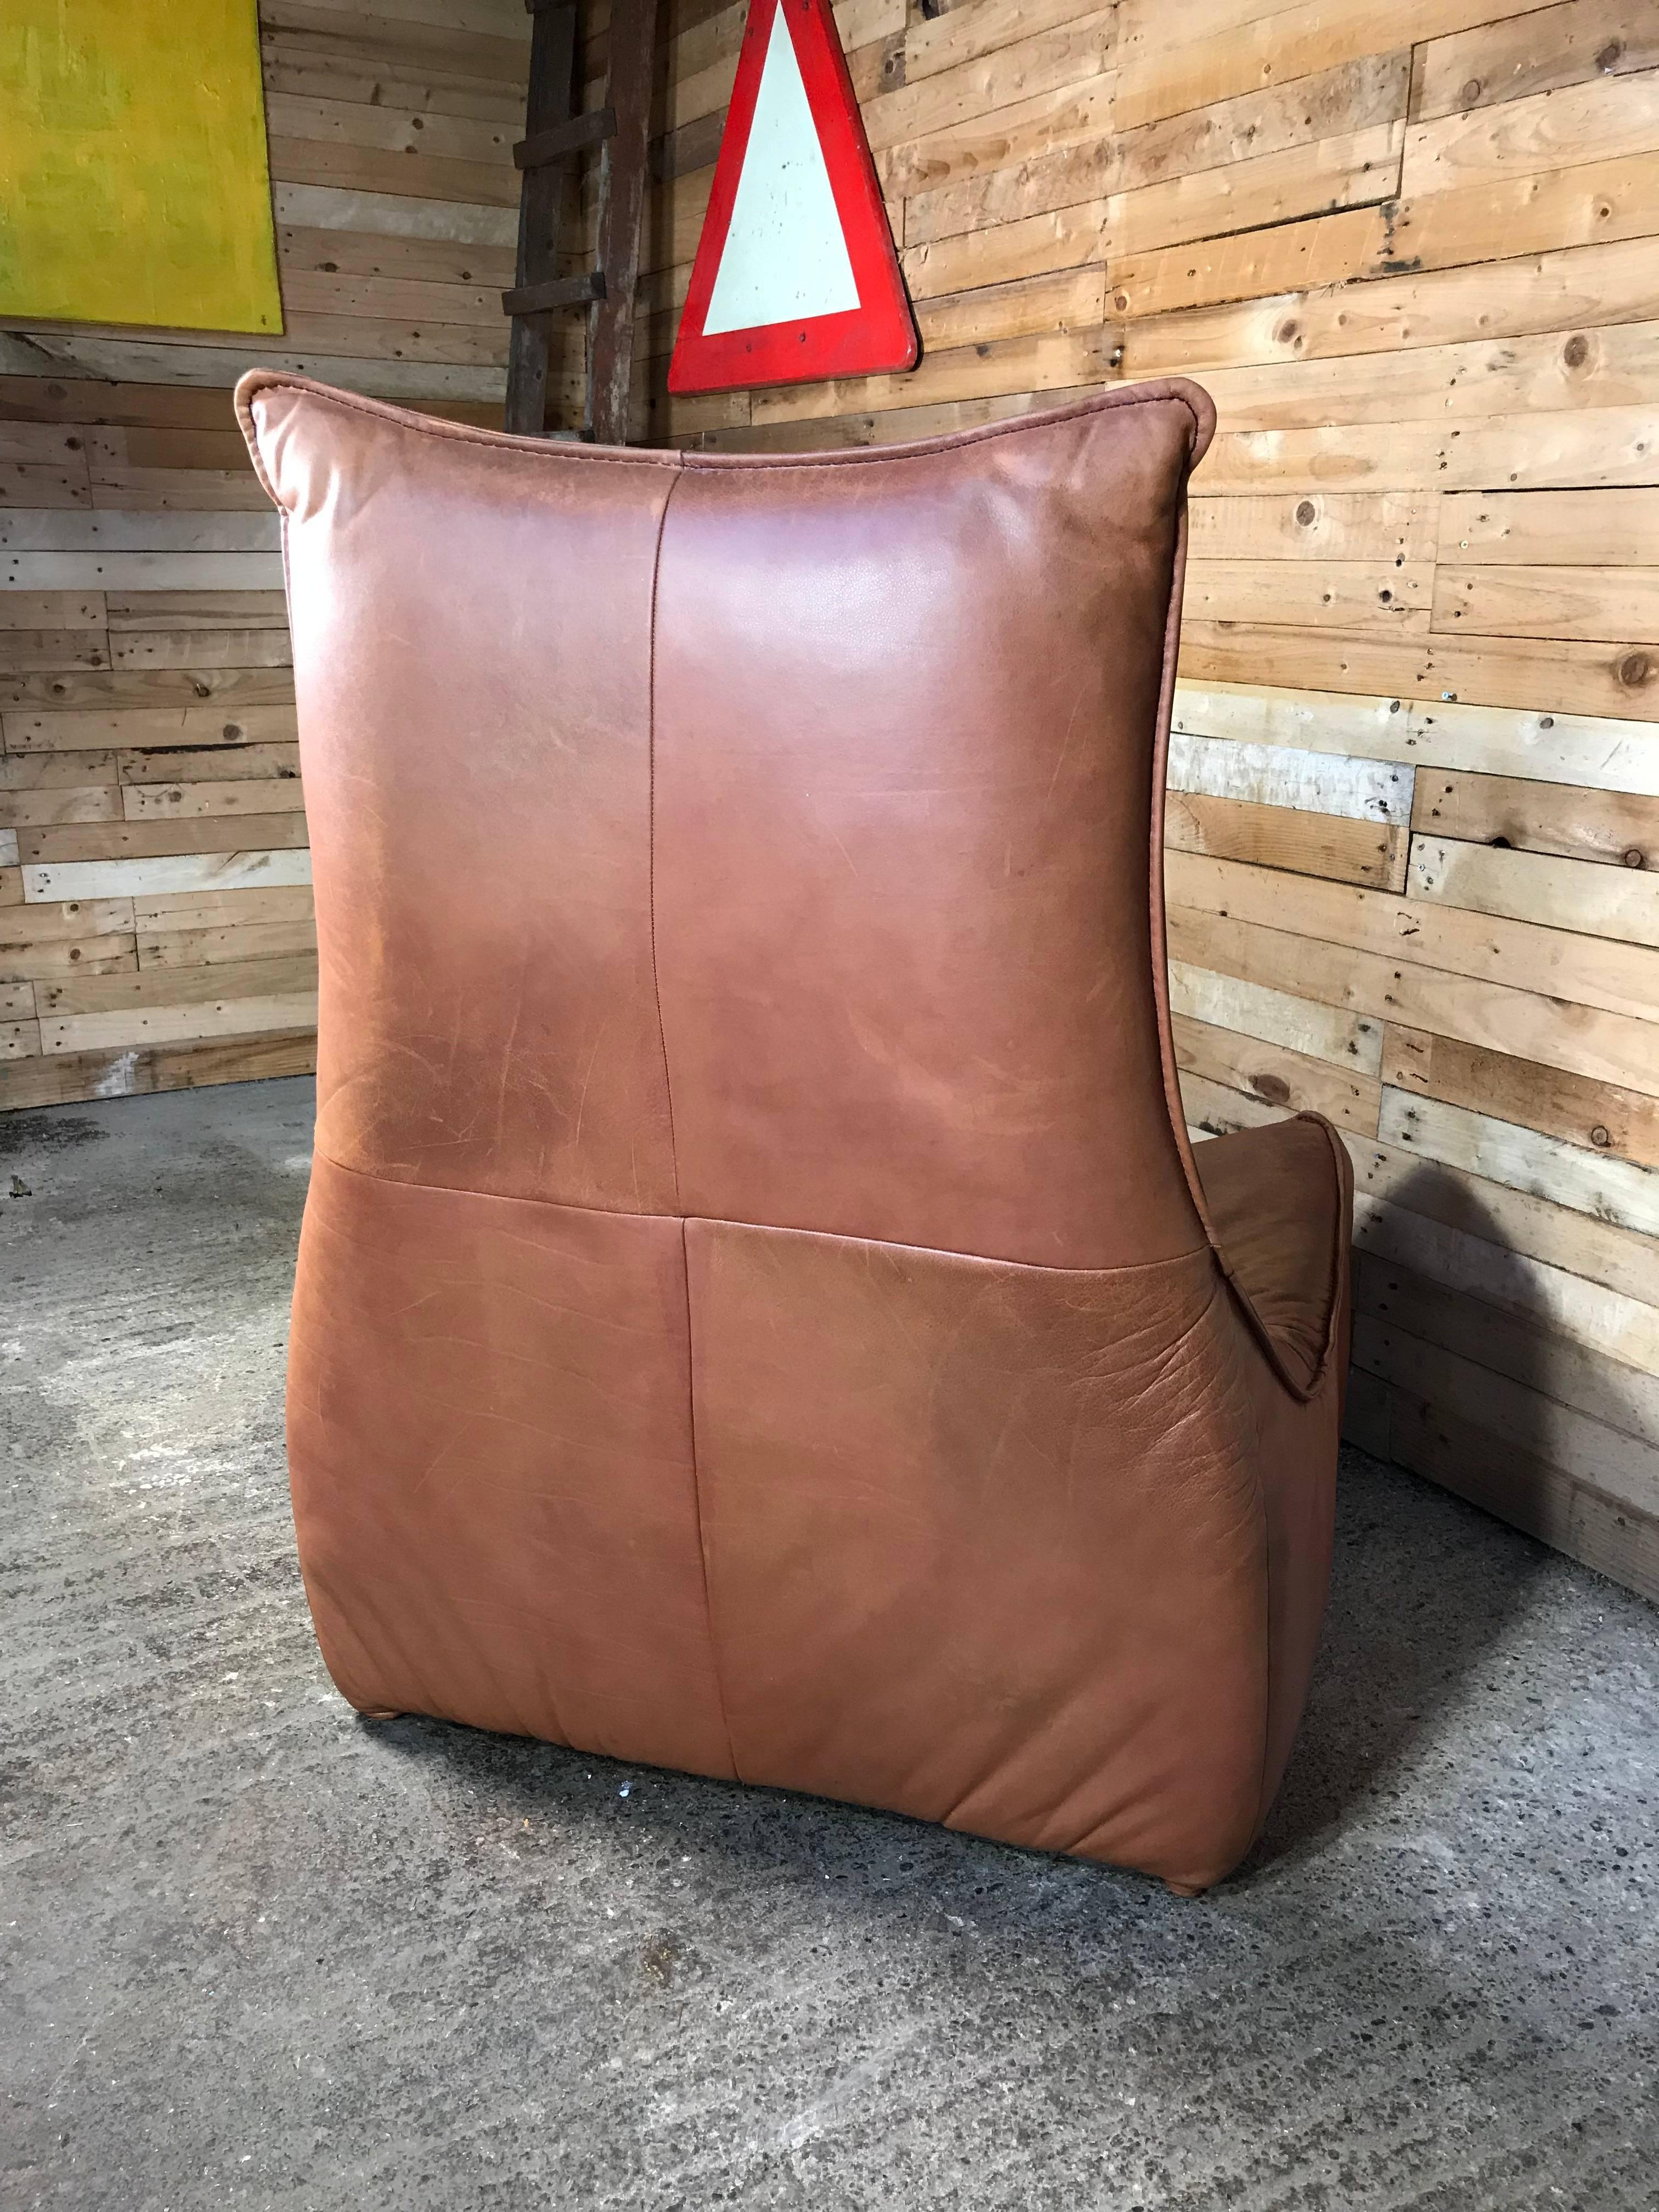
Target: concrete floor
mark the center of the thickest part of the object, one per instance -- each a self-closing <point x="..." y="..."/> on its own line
<point x="258" y="1953"/>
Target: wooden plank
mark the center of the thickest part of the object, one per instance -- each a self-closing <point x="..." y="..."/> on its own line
<point x="308" y="294"/>
<point x="201" y="651"/>
<point x="1378" y="527"/>
<point x="142" y="991"/>
<point x="1278" y="838"/>
<point x="232" y="941"/>
<point x="75" y="354"/>
<point x="1273" y="188"/>
<point x="1287" y="256"/>
<point x="190" y="871"/>
<point x="144" y="447"/>
<point x="373" y="169"/>
<point x="111" y="689"/>
<point x="86" y="937"/>
<point x="1275" y="775"/>
<point x="1497" y="1474"/>
<point x="1563" y="529"/>
<point x="1068" y="300"/>
<point x="1526" y="956"/>
<point x="53" y="805"/>
<point x="52" y="530"/>
<point x="181" y="802"/>
<point x="1613" y="604"/>
<point x="1602" y="446"/>
<point x="1615" y="828"/>
<point x="443" y="262"/>
<point x="23" y="486"/>
<point x="26" y="772"/>
<point x="1580" y="1248"/>
<point x="197" y="610"/>
<point x="150" y="1025"/>
<point x="1357" y="97"/>
<point x="1346" y="595"/>
<point x="159" y="912"/>
<point x="1181" y="74"/>
<point x="1602" y="119"/>
<point x="1605" y="1047"/>
<point x="1521" y="56"/>
<point x="1532" y="293"/>
<point x="47" y="446"/>
<point x="130" y="1072"/>
<point x="1546" y="677"/>
<point x="1537" y="887"/>
<point x="1613" y="1190"/>
<point x="78" y="730"/>
<point x="396" y="215"/>
<point x="1293" y="1081"/>
<point x="1047" y="122"/>
<point x="1216" y="1109"/>
<point x="1623" y="1124"/>
<point x="53" y="611"/>
<point x="1548" y="1298"/>
<point x="1594" y="365"/>
<point x="1059" y="360"/>
<point x="256" y="762"/>
<point x="1619" y="1464"/>
<point x="126" y="839"/>
<point x="34" y="573"/>
<point x="178" y="490"/>
<point x="1057" y="59"/>
<point x="1276" y="1017"/>
<point x="24" y="652"/>
<point x="18" y="1040"/>
<point x="1494" y="218"/>
<point x="962" y="34"/>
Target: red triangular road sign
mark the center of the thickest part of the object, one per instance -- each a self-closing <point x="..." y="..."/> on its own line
<point x="795" y="277"/>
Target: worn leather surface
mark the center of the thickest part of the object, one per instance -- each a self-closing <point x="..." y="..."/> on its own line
<point x="759" y="1310"/>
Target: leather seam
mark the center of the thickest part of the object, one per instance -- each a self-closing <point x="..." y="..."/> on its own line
<point x="696" y="1507"/>
<point x="763" y="1228"/>
<point x="1159" y="393"/>
<point x="431" y="426"/>
<point x="651" y="833"/>
<point x="1155" y="392"/>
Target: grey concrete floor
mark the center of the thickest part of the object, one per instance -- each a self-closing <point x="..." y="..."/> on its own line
<point x="258" y="1953"/>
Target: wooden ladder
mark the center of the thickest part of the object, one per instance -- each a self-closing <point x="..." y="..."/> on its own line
<point x="556" y="136"/>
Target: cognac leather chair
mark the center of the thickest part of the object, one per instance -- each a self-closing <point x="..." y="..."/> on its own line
<point x="758" y="1310"/>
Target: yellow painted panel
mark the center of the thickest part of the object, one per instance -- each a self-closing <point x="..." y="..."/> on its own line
<point x="134" y="186"/>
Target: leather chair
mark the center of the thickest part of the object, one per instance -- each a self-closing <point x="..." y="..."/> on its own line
<point x="758" y="1310"/>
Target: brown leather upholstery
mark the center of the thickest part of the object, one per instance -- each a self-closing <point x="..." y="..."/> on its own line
<point x="759" y="1310"/>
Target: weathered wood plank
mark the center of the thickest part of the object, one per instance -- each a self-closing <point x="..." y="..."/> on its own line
<point x="1614" y="1190"/>
<point x="1278" y="837"/>
<point x="1623" y="1124"/>
<point x="1539" y="887"/>
<point x="1616" y="827"/>
<point x="1605" y="1047"/>
<point x="1526" y="956"/>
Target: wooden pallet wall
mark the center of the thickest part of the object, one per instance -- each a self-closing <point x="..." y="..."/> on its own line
<point x="1412" y="252"/>
<point x="155" y="925"/>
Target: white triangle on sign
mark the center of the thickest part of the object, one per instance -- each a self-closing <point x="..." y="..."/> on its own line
<point x="785" y="256"/>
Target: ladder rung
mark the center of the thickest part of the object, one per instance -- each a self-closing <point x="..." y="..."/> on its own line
<point x="561" y="292"/>
<point x="566" y="139"/>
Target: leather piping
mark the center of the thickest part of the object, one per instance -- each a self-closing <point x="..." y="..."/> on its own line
<point x="1162" y="390"/>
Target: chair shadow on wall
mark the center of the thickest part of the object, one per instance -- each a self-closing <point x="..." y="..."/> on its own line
<point x="1426" y="1587"/>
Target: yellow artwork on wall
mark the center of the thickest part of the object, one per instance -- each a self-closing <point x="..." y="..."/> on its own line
<point x="134" y="185"/>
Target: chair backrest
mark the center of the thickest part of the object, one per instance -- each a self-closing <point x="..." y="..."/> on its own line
<point x="760" y="839"/>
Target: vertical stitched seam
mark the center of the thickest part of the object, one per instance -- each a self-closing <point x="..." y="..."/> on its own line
<point x="697" y="1500"/>
<point x="673" y="1146"/>
<point x="651" y="832"/>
